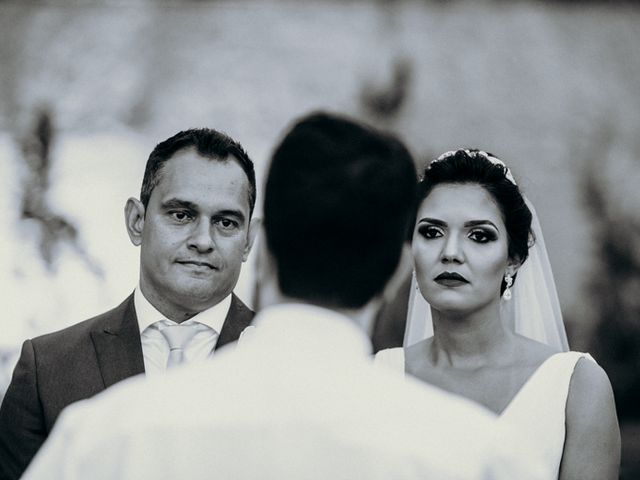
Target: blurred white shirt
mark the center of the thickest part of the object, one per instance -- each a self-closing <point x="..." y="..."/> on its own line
<point x="155" y="349"/>
<point x="298" y="398"/>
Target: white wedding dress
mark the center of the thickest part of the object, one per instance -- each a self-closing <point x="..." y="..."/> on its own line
<point x="537" y="411"/>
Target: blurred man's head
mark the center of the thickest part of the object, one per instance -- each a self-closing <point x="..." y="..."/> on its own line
<point x="193" y="221"/>
<point x="338" y="203"/>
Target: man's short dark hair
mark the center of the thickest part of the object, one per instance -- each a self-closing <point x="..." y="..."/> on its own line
<point x="208" y="143"/>
<point x="338" y="201"/>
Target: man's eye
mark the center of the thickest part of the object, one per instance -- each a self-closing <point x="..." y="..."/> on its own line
<point x="429" y="231"/>
<point x="226" y="223"/>
<point x="181" y="216"/>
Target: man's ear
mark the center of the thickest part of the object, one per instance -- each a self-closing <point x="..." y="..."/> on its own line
<point x="134" y="220"/>
<point x="403" y="270"/>
<point x="254" y="228"/>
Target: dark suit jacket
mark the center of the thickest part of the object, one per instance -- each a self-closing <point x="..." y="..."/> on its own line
<point x="78" y="362"/>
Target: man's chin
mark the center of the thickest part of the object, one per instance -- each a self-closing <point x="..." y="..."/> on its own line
<point x="200" y="295"/>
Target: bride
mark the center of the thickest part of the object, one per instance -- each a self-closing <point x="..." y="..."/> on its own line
<point x="495" y="340"/>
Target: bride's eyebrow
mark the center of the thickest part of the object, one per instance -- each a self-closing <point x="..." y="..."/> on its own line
<point x="476" y="223"/>
<point x="434" y="221"/>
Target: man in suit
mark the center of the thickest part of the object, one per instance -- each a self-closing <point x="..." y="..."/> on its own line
<point x="193" y="224"/>
<point x="300" y="396"/>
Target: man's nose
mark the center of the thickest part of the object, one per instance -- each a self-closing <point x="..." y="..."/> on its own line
<point x="201" y="238"/>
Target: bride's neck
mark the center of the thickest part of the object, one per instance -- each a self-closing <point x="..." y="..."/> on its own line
<point x="469" y="340"/>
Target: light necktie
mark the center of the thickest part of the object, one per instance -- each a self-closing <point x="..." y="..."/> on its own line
<point x="178" y="337"/>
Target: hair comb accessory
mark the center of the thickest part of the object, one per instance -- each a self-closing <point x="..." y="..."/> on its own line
<point x="478" y="153"/>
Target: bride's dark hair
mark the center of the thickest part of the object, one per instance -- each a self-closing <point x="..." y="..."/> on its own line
<point x="481" y="168"/>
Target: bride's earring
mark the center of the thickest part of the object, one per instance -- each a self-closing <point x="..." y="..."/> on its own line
<point x="508" y="279"/>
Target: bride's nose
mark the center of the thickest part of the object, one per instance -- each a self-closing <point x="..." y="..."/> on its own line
<point x="451" y="252"/>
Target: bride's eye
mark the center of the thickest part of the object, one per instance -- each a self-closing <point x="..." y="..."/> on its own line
<point x="430" y="231"/>
<point x="482" y="236"/>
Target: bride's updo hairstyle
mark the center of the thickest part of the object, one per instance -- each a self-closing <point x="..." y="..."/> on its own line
<point x="481" y="168"/>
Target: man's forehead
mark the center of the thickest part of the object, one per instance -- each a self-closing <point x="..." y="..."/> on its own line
<point x="198" y="179"/>
<point x="190" y="166"/>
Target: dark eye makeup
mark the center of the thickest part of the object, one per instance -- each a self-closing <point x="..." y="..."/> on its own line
<point x="429" y="231"/>
<point x="483" y="235"/>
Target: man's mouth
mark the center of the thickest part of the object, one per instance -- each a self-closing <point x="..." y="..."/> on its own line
<point x="197" y="264"/>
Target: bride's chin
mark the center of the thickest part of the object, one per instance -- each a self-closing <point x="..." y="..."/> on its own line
<point x="450" y="307"/>
<point x="446" y="299"/>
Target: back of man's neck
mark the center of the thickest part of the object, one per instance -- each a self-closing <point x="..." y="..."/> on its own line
<point x="363" y="317"/>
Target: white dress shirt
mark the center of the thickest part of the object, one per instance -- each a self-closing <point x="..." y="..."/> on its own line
<point x="299" y="398"/>
<point x="155" y="348"/>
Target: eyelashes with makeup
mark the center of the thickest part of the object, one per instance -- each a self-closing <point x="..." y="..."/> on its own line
<point x="483" y="236"/>
<point x="430" y="232"/>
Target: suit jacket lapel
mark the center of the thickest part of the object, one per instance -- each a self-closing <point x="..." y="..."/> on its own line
<point x="117" y="344"/>
<point x="238" y="318"/>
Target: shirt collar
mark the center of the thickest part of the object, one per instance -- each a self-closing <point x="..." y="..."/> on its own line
<point x="147" y="314"/>
<point x="307" y="326"/>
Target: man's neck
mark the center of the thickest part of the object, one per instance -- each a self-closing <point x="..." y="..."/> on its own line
<point x="174" y="312"/>
<point x="363" y="317"/>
